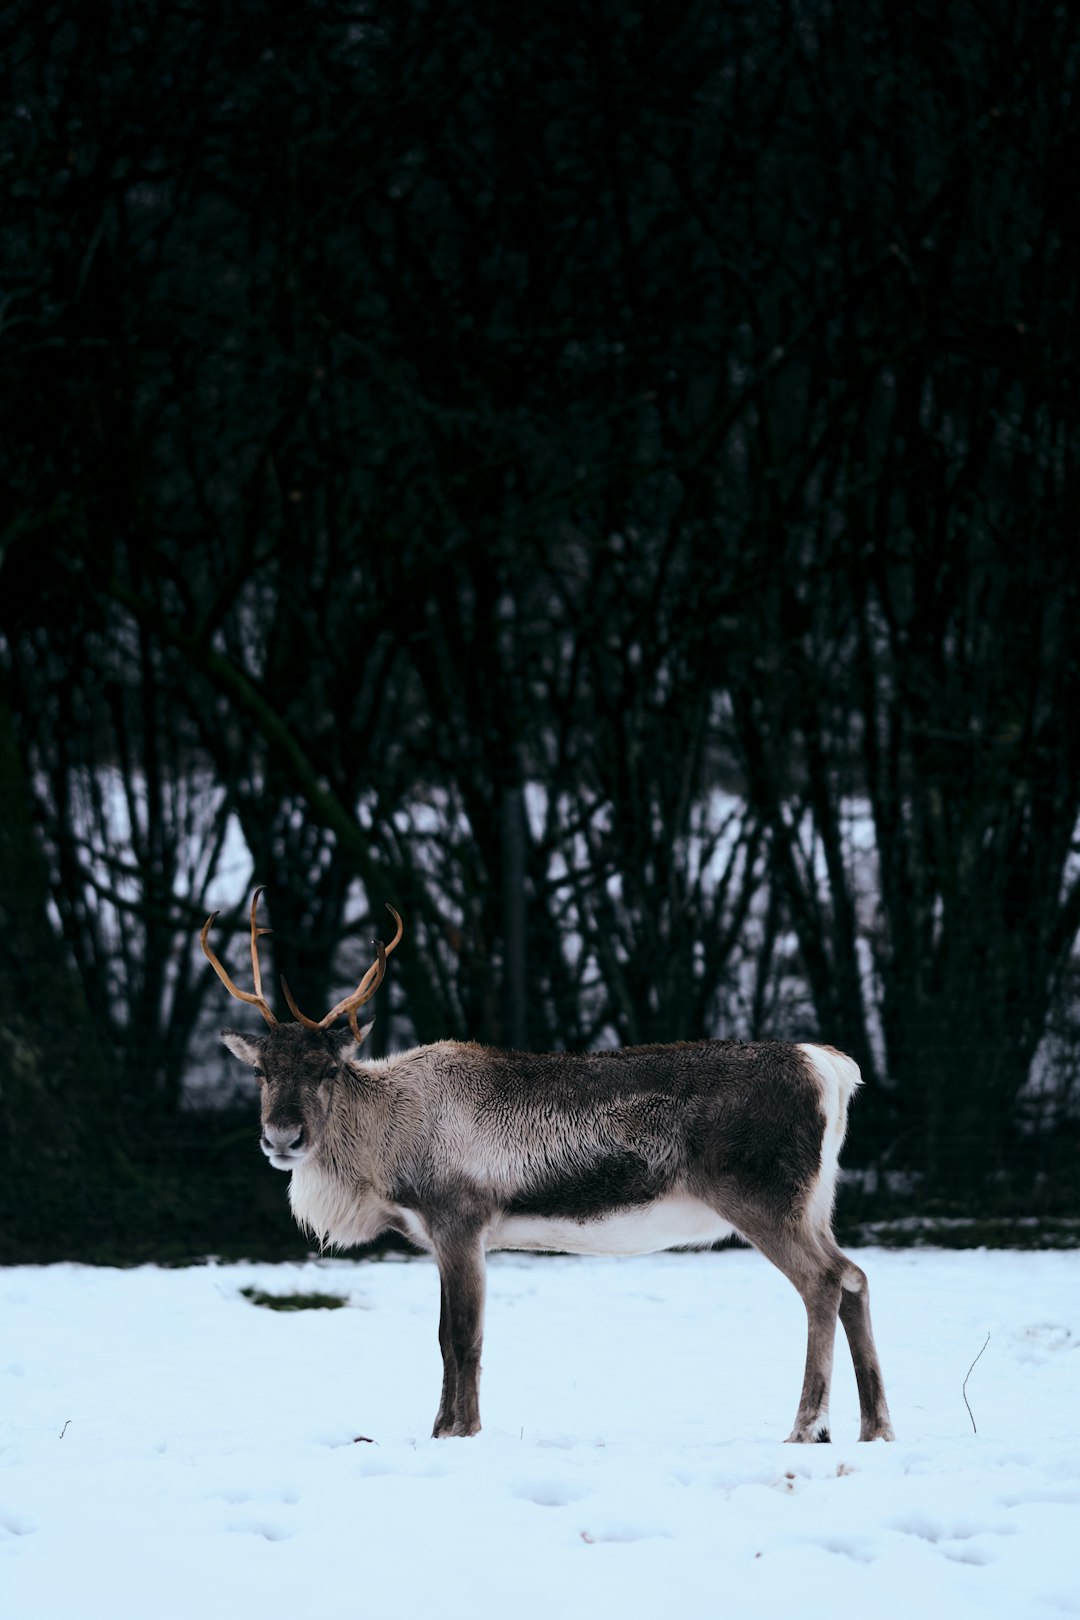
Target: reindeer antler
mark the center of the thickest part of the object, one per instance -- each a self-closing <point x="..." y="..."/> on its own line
<point x="363" y="993"/>
<point x="258" y="999"/>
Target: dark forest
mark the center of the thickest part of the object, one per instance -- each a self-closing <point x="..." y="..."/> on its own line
<point x="601" y="478"/>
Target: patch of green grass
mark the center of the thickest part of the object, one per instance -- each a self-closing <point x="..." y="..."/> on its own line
<point x="294" y="1302"/>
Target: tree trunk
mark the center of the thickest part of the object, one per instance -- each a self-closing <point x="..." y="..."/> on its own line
<point x="53" y="1077"/>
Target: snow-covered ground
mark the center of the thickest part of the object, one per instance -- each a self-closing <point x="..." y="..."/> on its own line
<point x="168" y="1448"/>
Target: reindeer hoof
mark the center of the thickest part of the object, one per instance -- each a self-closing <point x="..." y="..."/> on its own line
<point x="814" y="1436"/>
<point x="453" y="1431"/>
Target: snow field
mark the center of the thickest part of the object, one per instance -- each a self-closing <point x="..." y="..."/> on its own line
<point x="631" y="1461"/>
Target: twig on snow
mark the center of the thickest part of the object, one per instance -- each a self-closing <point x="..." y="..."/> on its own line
<point x="963" y="1391"/>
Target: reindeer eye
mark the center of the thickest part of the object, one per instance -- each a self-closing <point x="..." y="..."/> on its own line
<point x="258" y="1074"/>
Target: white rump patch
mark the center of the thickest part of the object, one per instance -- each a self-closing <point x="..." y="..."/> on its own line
<point x="838" y="1076"/>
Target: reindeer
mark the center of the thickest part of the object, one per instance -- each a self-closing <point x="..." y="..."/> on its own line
<point x="463" y="1149"/>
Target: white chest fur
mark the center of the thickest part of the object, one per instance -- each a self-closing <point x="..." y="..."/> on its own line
<point x="333" y="1211"/>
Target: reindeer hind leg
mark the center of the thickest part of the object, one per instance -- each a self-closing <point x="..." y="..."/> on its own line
<point x="874" y="1420"/>
<point x="817" y="1277"/>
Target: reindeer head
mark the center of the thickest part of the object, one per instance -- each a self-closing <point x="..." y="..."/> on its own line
<point x="296" y="1064"/>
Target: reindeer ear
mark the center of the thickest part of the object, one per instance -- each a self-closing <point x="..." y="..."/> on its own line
<point x="242" y="1046"/>
<point x="348" y="1044"/>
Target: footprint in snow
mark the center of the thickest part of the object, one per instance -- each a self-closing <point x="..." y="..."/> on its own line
<point x="260" y="1527"/>
<point x="237" y="1497"/>
<point x="1048" y="1336"/>
<point x="12" y="1525"/>
<point x="858" y="1548"/>
<point x="622" y="1532"/>
<point x="955" y="1540"/>
<point x="549" y="1493"/>
<point x="1038" y="1495"/>
<point x="969" y="1555"/>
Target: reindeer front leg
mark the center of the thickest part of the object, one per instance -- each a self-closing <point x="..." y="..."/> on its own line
<point x="460" y="1256"/>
